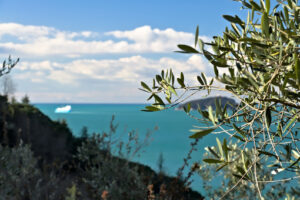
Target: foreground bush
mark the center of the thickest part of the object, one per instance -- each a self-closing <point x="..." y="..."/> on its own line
<point x="21" y="178"/>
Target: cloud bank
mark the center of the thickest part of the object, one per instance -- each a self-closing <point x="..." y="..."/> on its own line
<point x="125" y="69"/>
<point x="64" y="65"/>
<point x="47" y="41"/>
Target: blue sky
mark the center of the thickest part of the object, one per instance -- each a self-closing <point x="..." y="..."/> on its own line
<point x="99" y="51"/>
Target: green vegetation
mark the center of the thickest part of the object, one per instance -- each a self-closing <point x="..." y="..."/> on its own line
<point x="25" y="99"/>
<point x="41" y="159"/>
<point x="256" y="61"/>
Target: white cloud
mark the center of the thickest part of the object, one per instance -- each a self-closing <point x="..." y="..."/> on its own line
<point x="23" y="32"/>
<point x="146" y="39"/>
<point x="126" y="69"/>
<point x="58" y="65"/>
<point x="35" y="41"/>
<point x="109" y="78"/>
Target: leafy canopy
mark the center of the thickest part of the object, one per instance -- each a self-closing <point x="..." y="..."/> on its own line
<point x="260" y="57"/>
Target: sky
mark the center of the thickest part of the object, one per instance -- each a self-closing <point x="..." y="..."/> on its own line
<point x="98" y="51"/>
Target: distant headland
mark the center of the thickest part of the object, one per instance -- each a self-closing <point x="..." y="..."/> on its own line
<point x="210" y="101"/>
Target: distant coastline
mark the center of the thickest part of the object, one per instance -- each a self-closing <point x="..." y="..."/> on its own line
<point x="209" y="101"/>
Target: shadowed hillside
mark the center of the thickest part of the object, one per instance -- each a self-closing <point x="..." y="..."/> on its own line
<point x="48" y="158"/>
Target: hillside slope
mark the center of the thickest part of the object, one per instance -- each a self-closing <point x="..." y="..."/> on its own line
<point x="54" y="146"/>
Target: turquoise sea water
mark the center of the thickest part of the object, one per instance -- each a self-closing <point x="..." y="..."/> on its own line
<point x="171" y="139"/>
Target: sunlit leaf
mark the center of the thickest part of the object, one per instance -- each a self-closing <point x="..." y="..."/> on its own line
<point x="220" y="147"/>
<point x="225" y="148"/>
<point x="158" y="99"/>
<point x="201" y="45"/>
<point x="268" y="4"/>
<point x="201" y="133"/>
<point x="290" y="123"/>
<point x="211" y="115"/>
<point x="151" y="109"/>
<point x="144" y="85"/>
<point x="196" y="35"/>
<point x="187" y="49"/>
<point x="172" y="90"/>
<point x="265" y="24"/>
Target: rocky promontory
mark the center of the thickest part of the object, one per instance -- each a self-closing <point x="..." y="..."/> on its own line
<point x="204" y="103"/>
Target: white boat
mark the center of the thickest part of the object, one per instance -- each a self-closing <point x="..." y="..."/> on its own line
<point x="64" y="109"/>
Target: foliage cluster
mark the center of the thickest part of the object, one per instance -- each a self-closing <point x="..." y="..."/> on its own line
<point x="20" y="178"/>
<point x="209" y="171"/>
<point x="256" y="61"/>
<point x="93" y="171"/>
<point x="104" y="172"/>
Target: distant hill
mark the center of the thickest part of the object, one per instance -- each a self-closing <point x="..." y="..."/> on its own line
<point x="210" y="101"/>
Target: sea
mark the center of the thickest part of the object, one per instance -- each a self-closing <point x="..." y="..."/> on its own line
<point x="170" y="131"/>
